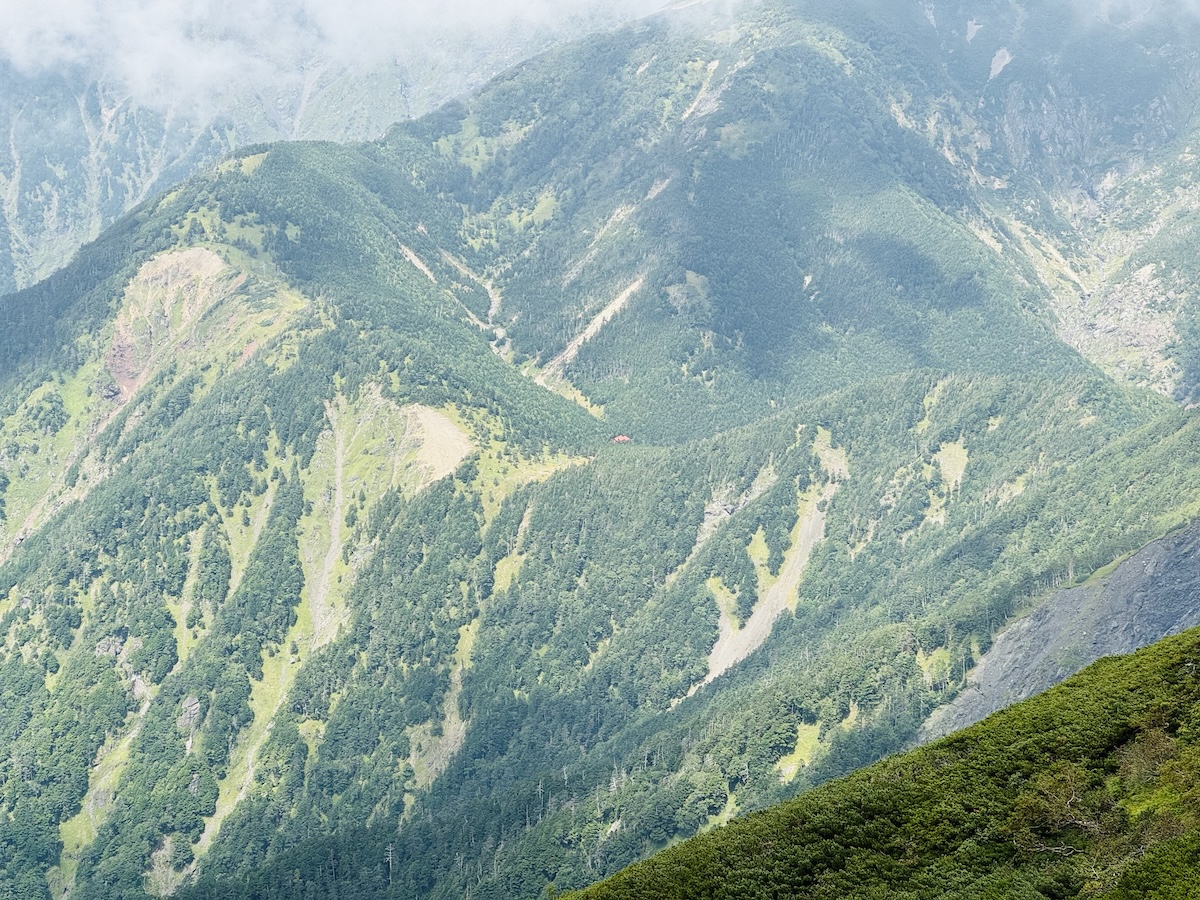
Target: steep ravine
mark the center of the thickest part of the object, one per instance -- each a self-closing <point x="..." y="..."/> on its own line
<point x="1154" y="593"/>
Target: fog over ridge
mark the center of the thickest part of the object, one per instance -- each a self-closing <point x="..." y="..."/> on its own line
<point x="166" y="52"/>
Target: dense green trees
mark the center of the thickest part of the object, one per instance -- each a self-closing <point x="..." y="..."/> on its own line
<point x="1088" y="789"/>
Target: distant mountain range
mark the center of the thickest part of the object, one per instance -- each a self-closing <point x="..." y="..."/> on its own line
<point x="86" y="142"/>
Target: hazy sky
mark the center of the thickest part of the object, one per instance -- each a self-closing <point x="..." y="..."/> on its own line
<point x="165" y="48"/>
<point x="1119" y="11"/>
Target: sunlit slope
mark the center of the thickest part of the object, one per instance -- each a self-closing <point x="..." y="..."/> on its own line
<point x="201" y="456"/>
<point x="620" y="588"/>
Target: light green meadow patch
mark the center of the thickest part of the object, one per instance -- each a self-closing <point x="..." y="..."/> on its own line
<point x="808" y="743"/>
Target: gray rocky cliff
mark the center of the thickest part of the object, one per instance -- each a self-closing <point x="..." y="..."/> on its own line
<point x="1154" y="593"/>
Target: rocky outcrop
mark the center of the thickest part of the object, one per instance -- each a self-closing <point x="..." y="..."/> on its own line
<point x="1154" y="593"/>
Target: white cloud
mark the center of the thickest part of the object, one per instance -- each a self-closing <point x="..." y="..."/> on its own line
<point x="165" y="50"/>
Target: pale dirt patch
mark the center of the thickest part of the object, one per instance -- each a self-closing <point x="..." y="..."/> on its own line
<point x="973" y="28"/>
<point x="901" y="117"/>
<point x="325" y="618"/>
<point x="416" y="261"/>
<point x="710" y="70"/>
<point x="248" y="353"/>
<point x="1000" y="62"/>
<point x="559" y="364"/>
<point x="442" y="445"/>
<point x="952" y="461"/>
<point x="735" y="644"/>
<point x="657" y="188"/>
<point x="370" y="432"/>
<point x="161" y="880"/>
<point x="162" y="305"/>
<point x="495" y="304"/>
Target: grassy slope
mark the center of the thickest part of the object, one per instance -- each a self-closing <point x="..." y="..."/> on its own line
<point x="1088" y="788"/>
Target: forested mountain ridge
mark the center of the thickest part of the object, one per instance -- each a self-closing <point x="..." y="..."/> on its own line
<point x="316" y="542"/>
<point x="106" y="115"/>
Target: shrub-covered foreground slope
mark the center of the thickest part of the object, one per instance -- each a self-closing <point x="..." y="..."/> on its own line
<point x="322" y="574"/>
<point x="1089" y="790"/>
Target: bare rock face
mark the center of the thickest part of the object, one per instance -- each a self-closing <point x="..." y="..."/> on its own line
<point x="1153" y="594"/>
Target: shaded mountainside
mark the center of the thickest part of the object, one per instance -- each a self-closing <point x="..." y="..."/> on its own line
<point x="320" y="571"/>
<point x="1087" y="790"/>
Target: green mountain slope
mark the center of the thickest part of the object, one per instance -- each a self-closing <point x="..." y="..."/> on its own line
<point x="315" y="543"/>
<point x="95" y="128"/>
<point x="1087" y="790"/>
